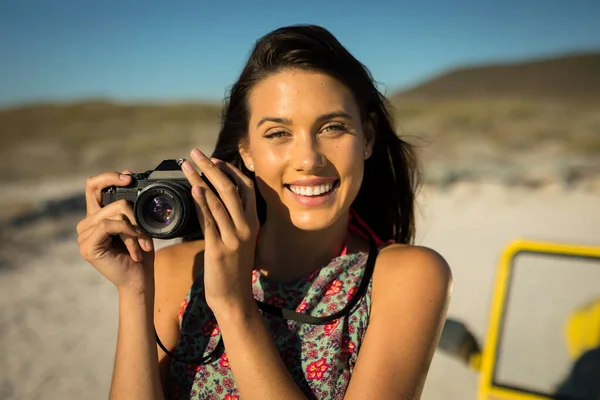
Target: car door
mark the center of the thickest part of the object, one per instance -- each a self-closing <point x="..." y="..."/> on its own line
<point x="543" y="337"/>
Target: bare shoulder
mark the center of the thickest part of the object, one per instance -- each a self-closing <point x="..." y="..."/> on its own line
<point x="178" y="262"/>
<point x="414" y="278"/>
<point x="174" y="270"/>
<point x="413" y="268"/>
<point x="410" y="297"/>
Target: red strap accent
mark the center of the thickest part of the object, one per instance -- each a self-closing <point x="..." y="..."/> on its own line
<point x="354" y="224"/>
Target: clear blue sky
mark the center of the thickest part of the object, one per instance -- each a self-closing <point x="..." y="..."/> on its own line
<point x="176" y="50"/>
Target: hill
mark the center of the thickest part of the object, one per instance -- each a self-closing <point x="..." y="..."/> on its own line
<point x="566" y="76"/>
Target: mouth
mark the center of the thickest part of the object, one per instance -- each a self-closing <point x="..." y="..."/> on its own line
<point x="313" y="191"/>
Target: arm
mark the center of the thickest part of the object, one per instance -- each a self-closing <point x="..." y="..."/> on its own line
<point x="130" y="267"/>
<point x="230" y="226"/>
<point x="141" y="367"/>
<point x="257" y="367"/>
<point x="411" y="291"/>
<point x="136" y="373"/>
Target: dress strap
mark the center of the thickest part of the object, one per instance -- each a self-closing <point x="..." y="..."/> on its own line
<point x="359" y="227"/>
<point x="293" y="315"/>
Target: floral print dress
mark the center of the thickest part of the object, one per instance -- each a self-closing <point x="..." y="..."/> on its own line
<point x="320" y="358"/>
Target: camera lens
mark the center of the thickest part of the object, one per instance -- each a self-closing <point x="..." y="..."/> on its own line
<point x="160" y="209"/>
<point x="165" y="209"/>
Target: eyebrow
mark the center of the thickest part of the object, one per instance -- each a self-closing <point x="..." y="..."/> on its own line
<point x="287" y="121"/>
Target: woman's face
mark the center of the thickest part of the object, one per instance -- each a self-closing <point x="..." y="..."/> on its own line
<point x="306" y="146"/>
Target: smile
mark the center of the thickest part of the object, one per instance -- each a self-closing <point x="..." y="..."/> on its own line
<point x="313" y="195"/>
<point x="311" y="191"/>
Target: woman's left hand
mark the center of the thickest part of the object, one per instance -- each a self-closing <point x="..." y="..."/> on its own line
<point x="230" y="226"/>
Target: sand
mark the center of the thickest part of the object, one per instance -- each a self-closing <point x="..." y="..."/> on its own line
<point x="58" y="316"/>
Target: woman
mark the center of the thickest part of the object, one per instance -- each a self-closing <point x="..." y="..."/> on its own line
<point x="322" y="199"/>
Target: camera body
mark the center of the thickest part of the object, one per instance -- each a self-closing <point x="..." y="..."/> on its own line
<point x="163" y="205"/>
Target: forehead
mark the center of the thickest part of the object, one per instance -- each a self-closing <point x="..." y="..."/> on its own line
<point x="300" y="94"/>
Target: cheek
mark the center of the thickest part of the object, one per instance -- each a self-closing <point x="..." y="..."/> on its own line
<point x="357" y="174"/>
<point x="354" y="170"/>
<point x="347" y="160"/>
<point x="268" y="164"/>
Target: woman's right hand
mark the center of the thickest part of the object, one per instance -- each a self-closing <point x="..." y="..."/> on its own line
<point x="110" y="240"/>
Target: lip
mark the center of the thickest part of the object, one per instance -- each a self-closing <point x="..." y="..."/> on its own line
<point x="312" y="182"/>
<point x="313" y="201"/>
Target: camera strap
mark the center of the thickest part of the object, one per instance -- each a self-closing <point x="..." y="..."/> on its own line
<point x="309" y="319"/>
<point x="291" y="314"/>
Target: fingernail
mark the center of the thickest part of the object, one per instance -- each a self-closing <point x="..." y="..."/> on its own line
<point x="147" y="244"/>
<point x="187" y="166"/>
<point x="198" y="154"/>
<point x="216" y="161"/>
<point x="124" y="177"/>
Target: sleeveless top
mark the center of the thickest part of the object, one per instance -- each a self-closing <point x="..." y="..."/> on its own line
<point x="320" y="358"/>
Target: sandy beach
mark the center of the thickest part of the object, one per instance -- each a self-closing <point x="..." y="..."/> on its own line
<point x="58" y="316"/>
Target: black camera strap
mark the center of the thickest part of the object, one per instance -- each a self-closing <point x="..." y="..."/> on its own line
<point x="291" y="314"/>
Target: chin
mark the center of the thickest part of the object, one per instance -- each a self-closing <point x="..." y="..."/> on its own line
<point x="314" y="220"/>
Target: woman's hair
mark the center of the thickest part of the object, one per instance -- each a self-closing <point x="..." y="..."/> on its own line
<point x="386" y="199"/>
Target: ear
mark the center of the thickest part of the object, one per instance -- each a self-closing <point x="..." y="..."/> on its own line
<point x="246" y="155"/>
<point x="370" y="127"/>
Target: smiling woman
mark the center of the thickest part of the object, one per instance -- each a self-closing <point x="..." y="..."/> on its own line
<point x="305" y="282"/>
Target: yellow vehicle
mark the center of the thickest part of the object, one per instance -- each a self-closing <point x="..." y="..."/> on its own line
<point x="543" y="334"/>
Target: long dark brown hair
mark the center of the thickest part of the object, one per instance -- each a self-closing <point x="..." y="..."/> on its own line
<point x="386" y="199"/>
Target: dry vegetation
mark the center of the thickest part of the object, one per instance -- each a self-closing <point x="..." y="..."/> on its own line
<point x="84" y="138"/>
<point x="500" y="135"/>
<point x="457" y="139"/>
<point x="531" y="142"/>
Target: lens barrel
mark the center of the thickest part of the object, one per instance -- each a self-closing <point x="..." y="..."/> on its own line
<point x="165" y="209"/>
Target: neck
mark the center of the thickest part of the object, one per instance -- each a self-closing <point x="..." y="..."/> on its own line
<point x="285" y="253"/>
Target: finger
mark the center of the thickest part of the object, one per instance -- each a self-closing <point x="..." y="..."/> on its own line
<point x="95" y="184"/>
<point x="116" y="217"/>
<point x="96" y="244"/>
<point x="133" y="247"/>
<point x="225" y="187"/>
<point x="117" y="209"/>
<point x="217" y="210"/>
<point x="207" y="223"/>
<point x="145" y="242"/>
<point x="245" y="188"/>
<point x="86" y="227"/>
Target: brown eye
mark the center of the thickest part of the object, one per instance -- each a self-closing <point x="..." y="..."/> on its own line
<point x="335" y="128"/>
<point x="275" y="135"/>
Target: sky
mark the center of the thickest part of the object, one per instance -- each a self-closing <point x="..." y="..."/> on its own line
<point x="133" y="50"/>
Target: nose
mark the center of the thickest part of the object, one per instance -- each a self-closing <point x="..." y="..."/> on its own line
<point x="307" y="155"/>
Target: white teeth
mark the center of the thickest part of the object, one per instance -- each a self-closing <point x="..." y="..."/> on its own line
<point x="311" y="190"/>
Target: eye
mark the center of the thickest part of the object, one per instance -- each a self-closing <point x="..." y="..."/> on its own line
<point x="335" y="128"/>
<point x="275" y="134"/>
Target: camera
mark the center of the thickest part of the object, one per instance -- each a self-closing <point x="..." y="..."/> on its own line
<point x="163" y="205"/>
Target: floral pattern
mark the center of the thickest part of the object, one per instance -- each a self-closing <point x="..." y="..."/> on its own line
<point x="320" y="358"/>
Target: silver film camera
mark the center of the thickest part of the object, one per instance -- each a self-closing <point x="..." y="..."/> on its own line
<point x="163" y="205"/>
